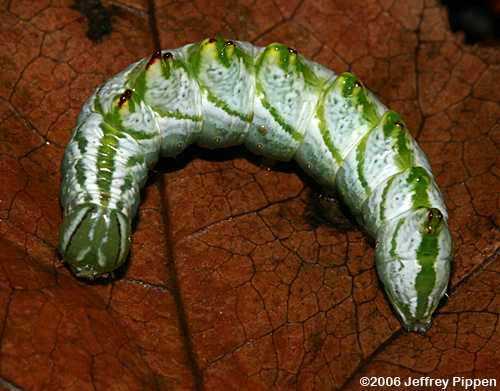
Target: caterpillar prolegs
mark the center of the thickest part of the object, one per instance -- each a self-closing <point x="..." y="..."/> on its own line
<point x="219" y="93"/>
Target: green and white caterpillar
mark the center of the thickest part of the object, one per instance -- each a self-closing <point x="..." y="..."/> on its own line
<point x="219" y="93"/>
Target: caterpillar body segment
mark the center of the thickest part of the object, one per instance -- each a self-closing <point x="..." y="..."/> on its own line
<point x="224" y="73"/>
<point x="385" y="150"/>
<point x="165" y="84"/>
<point x="219" y="93"/>
<point x="286" y="93"/>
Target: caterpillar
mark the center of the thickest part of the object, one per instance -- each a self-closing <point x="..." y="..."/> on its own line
<point x="218" y="93"/>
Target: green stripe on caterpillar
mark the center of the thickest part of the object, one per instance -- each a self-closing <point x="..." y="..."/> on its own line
<point x="218" y="93"/>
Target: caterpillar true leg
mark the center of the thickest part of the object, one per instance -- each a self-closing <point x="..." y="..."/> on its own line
<point x="219" y="93"/>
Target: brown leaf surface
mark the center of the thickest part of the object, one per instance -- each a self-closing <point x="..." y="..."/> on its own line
<point x="229" y="286"/>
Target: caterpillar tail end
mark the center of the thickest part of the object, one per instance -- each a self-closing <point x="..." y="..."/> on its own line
<point x="419" y="327"/>
<point x="94" y="241"/>
<point x="413" y="261"/>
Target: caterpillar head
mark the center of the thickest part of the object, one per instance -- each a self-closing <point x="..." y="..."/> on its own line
<point x="93" y="240"/>
<point x="413" y="261"/>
